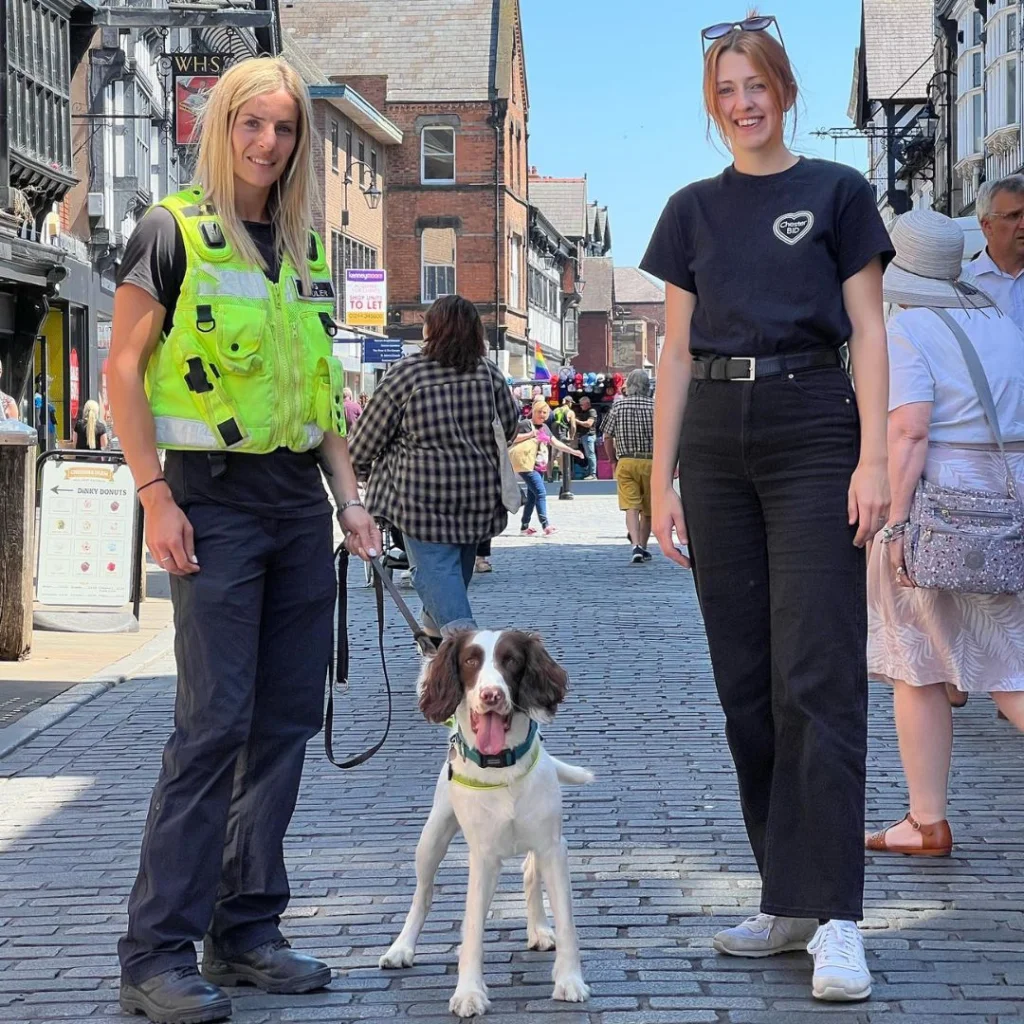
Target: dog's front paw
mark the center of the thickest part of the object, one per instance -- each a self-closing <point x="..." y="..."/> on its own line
<point x="399" y="955"/>
<point x="469" y="1002"/>
<point x="571" y="989"/>
<point x="542" y="938"/>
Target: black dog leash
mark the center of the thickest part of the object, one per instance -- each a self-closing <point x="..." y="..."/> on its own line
<point x="339" y="673"/>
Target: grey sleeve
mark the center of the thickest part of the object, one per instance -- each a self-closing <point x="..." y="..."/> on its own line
<point x="154" y="258"/>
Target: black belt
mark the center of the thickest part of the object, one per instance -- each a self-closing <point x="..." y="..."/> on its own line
<point x="754" y="368"/>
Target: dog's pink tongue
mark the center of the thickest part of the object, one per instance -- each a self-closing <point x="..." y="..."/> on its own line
<point x="490" y="733"/>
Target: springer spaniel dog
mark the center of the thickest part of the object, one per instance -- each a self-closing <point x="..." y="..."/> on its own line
<point x="501" y="787"/>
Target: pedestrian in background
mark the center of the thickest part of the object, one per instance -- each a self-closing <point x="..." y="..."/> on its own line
<point x="629" y="445"/>
<point x="770" y="268"/>
<point x="530" y="453"/>
<point x="8" y="406"/>
<point x="586" y="433"/>
<point x="239" y="517"/>
<point x="919" y="640"/>
<point x="353" y="410"/>
<point x="90" y="430"/>
<point x="426" y="442"/>
<point x="999" y="269"/>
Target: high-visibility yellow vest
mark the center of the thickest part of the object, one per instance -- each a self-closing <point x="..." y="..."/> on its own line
<point x="247" y="364"/>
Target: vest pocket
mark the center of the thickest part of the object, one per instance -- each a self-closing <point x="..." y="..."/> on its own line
<point x="238" y="334"/>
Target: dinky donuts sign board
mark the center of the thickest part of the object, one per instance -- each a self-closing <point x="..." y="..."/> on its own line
<point x="86" y="523"/>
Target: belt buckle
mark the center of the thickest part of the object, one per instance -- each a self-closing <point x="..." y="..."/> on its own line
<point x="751" y="372"/>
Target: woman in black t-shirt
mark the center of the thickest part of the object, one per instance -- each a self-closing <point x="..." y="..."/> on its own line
<point x="90" y="430"/>
<point x="770" y="268"/>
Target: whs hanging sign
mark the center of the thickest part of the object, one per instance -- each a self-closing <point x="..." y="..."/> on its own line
<point x="366" y="298"/>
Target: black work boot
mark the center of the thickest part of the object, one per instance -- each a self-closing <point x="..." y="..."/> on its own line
<point x="272" y="967"/>
<point x="178" y="996"/>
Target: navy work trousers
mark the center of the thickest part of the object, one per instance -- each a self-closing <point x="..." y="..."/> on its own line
<point x="765" y="471"/>
<point x="254" y="631"/>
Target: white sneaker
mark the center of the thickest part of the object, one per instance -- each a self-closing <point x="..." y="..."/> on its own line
<point x="840" y="971"/>
<point x="766" y="935"/>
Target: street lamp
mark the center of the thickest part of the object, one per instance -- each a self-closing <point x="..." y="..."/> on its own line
<point x="373" y="194"/>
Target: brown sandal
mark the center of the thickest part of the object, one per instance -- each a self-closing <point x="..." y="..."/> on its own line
<point x="938" y="840"/>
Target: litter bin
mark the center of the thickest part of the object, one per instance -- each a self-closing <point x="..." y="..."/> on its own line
<point x="17" y="520"/>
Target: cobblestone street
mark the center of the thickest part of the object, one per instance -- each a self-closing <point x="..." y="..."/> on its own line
<point x="658" y="852"/>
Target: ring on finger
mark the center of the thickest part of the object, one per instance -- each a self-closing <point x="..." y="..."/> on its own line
<point x="166" y="558"/>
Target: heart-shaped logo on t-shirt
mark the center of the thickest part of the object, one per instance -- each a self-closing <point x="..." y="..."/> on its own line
<point x="791" y="227"/>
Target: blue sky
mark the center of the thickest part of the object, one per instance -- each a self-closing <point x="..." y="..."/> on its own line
<point x="615" y="93"/>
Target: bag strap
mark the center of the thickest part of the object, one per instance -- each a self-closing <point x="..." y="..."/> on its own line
<point x="981" y="386"/>
<point x="339" y="674"/>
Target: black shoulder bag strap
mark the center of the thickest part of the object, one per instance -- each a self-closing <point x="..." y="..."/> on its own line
<point x="337" y="672"/>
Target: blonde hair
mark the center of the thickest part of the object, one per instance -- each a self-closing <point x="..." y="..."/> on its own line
<point x="90" y="414"/>
<point x="540" y="403"/>
<point x="291" y="200"/>
<point x="769" y="59"/>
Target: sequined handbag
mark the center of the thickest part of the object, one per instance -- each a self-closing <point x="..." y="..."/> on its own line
<point x="970" y="542"/>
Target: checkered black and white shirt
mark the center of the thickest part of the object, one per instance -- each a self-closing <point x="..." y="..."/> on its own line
<point x="425" y="439"/>
<point x="631" y="424"/>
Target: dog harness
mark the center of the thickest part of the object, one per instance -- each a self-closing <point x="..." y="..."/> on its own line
<point x="507" y="758"/>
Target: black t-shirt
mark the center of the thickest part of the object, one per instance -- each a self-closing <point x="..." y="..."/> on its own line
<point x="766" y="255"/>
<point x="81" y="434"/>
<point x="281" y="484"/>
<point x="586" y="414"/>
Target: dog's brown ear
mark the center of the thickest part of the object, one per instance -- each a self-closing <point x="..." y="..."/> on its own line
<point x="441" y="687"/>
<point x="544" y="682"/>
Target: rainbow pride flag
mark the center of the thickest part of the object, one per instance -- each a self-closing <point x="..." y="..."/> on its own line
<point x="540" y="371"/>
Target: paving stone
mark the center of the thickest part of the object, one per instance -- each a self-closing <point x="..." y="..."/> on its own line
<point x="657" y="847"/>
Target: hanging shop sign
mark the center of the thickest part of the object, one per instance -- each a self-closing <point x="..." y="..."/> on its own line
<point x="194" y="74"/>
<point x="86" y="527"/>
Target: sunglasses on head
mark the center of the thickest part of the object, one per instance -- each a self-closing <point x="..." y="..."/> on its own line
<point x="723" y="28"/>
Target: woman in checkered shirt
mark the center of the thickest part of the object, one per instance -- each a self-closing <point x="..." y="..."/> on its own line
<point x="426" y="441"/>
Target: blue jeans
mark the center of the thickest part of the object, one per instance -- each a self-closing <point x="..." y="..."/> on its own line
<point x="536" y="497"/>
<point x="441" y="575"/>
<point x="589" y="443"/>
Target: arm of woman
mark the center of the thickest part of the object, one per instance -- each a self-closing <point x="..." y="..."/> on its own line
<point x="674" y="369"/>
<point x="374" y="431"/>
<point x="868" y="498"/>
<point x="103" y="440"/>
<point x="562" y="447"/>
<point x="908" y="450"/>
<point x="138" y="321"/>
<point x="362" y="537"/>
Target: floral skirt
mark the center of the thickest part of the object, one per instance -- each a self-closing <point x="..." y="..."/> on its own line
<point x="975" y="641"/>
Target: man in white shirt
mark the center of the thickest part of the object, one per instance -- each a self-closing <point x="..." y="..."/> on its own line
<point x="999" y="270"/>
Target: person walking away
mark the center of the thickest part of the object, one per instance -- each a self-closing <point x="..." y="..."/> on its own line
<point x="426" y="442"/>
<point x="353" y="410"/>
<point x="770" y="268"/>
<point x="586" y="433"/>
<point x="483" y="557"/>
<point x="629" y="445"/>
<point x="221" y="355"/>
<point x="529" y="453"/>
<point x="90" y="430"/>
<point x="920" y="640"/>
<point x="999" y="269"/>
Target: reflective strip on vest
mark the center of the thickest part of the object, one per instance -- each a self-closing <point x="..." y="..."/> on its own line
<point x="238" y="284"/>
<point x="181" y="433"/>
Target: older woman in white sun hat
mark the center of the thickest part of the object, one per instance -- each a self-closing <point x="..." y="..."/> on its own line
<point x="920" y="639"/>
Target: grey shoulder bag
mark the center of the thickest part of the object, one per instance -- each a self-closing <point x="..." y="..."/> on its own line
<point x="511" y="493"/>
<point x="970" y="542"/>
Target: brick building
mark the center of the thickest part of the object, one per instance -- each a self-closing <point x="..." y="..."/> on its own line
<point x="596" y="306"/>
<point x="638" y="300"/>
<point x="353" y="141"/>
<point x="450" y="75"/>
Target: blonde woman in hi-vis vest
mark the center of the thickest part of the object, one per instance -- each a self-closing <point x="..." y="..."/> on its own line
<point x="221" y="356"/>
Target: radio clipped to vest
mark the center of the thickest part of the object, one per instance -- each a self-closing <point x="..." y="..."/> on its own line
<point x="248" y="364"/>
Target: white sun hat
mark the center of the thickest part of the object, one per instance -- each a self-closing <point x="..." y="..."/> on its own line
<point x="928" y="263"/>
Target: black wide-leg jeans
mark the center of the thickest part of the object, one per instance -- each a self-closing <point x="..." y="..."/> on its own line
<point x="253" y="634"/>
<point x="765" y="470"/>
